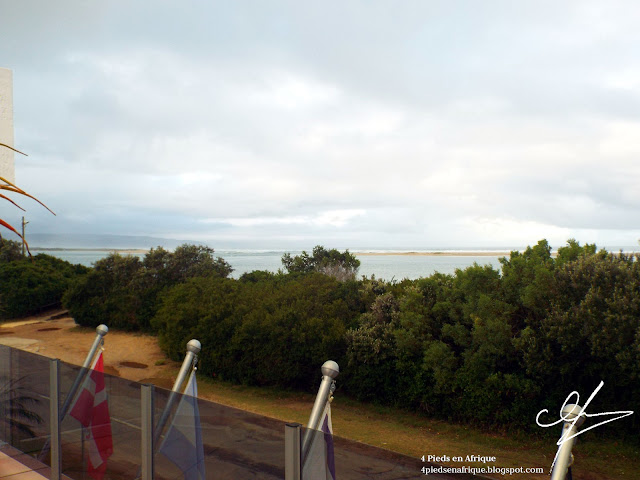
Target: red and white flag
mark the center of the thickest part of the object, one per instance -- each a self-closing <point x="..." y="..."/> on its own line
<point x="92" y="411"/>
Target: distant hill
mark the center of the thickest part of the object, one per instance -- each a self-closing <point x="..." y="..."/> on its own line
<point x="48" y="240"/>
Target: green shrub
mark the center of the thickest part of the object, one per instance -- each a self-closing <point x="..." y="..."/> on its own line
<point x="105" y="296"/>
<point x="264" y="330"/>
<point x="28" y="285"/>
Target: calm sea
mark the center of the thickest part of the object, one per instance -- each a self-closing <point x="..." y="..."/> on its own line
<point x="387" y="267"/>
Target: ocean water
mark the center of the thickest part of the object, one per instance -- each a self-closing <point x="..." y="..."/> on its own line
<point x="385" y="264"/>
<point x="398" y="267"/>
<point x="388" y="267"/>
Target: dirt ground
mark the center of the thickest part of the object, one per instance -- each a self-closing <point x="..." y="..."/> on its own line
<point x="54" y="334"/>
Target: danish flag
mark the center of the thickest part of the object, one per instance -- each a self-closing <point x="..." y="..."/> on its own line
<point x="92" y="411"/>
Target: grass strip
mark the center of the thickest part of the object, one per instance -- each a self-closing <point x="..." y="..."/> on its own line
<point x="414" y="435"/>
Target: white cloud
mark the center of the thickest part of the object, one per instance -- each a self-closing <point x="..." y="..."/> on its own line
<point x="333" y="218"/>
<point x="621" y="141"/>
<point x="285" y="90"/>
<point x="624" y="79"/>
<point x="512" y="231"/>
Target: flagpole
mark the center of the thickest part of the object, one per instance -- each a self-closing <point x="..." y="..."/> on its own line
<point x="193" y="348"/>
<point x="101" y="331"/>
<point x="330" y="371"/>
<point x="564" y="458"/>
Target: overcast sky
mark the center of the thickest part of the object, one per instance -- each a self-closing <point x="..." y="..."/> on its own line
<point x="352" y="124"/>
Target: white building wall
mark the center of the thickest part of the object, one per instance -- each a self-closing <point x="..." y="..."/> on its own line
<point x="7" y="167"/>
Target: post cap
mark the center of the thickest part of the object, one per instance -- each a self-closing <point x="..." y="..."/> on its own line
<point x="330" y="369"/>
<point x="571" y="411"/>
<point x="194" y="346"/>
<point x="102" y="330"/>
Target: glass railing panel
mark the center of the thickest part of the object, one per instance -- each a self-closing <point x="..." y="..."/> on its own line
<point x="236" y="444"/>
<point x="24" y="397"/>
<point x="80" y="443"/>
<point x="73" y="446"/>
<point x="353" y="460"/>
<point x="6" y="376"/>
<point x="125" y="411"/>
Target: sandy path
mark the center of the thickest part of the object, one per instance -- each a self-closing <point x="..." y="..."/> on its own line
<point x="55" y="335"/>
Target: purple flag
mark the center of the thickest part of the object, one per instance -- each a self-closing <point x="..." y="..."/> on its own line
<point x="320" y="461"/>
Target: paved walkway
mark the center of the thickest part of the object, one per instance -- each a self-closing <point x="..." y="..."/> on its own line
<point x="15" y="465"/>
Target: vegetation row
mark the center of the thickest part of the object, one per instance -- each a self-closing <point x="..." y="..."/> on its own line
<point x="484" y="346"/>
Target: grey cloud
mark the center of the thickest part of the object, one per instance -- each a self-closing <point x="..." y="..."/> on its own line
<point x="435" y="118"/>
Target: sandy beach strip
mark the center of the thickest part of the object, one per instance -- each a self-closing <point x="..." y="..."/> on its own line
<point x="436" y="254"/>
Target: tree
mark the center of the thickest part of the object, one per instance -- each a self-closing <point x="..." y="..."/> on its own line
<point x="573" y="250"/>
<point x="124" y="292"/>
<point x="341" y="266"/>
<point x="528" y="284"/>
<point x="371" y="352"/>
<point x="106" y="295"/>
<point x="10" y="251"/>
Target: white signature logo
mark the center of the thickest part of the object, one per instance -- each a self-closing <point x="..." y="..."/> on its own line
<point x="583" y="413"/>
<point x="568" y="417"/>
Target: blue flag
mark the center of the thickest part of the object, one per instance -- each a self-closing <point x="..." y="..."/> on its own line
<point x="320" y="461"/>
<point x="183" y="442"/>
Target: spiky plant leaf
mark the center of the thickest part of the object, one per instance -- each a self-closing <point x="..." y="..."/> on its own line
<point x="15" y="407"/>
<point x="11" y="148"/>
<point x="13" y="188"/>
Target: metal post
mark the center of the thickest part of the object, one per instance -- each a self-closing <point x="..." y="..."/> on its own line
<point x="101" y="331"/>
<point x="330" y="371"/>
<point x="24" y="224"/>
<point x="146" y="403"/>
<point x="193" y="348"/>
<point x="292" y="451"/>
<point x="54" y="418"/>
<point x="564" y="458"/>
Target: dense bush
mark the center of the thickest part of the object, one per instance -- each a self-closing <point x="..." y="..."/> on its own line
<point x="106" y="295"/>
<point x="496" y="347"/>
<point x="28" y="285"/>
<point x="263" y="329"/>
<point x="590" y="334"/>
<point x="122" y="291"/>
